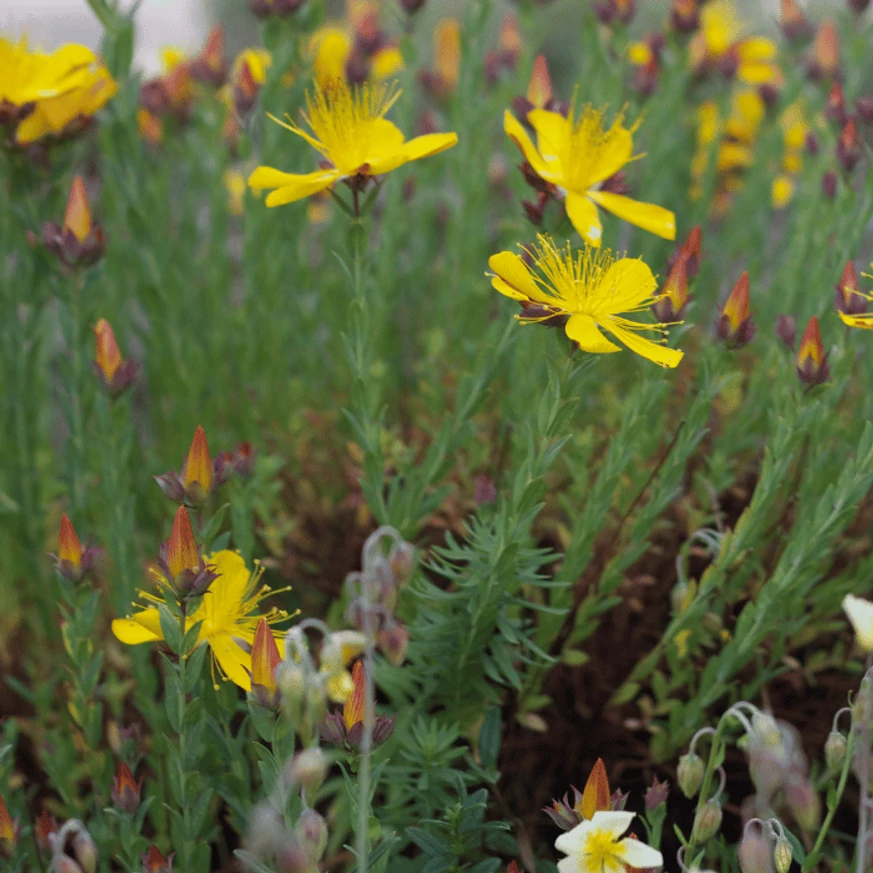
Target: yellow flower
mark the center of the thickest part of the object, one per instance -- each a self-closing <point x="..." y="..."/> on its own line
<point x="226" y="611"/>
<point x="577" y="156"/>
<point x="599" y="846"/>
<point x="347" y="126"/>
<point x="590" y="291"/>
<point x="26" y="76"/>
<point x="52" y="114"/>
<point x="781" y="191"/>
<point x="332" y="49"/>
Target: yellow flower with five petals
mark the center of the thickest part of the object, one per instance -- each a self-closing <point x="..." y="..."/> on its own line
<point x="347" y="126"/>
<point x="577" y="154"/>
<point x="587" y="292"/>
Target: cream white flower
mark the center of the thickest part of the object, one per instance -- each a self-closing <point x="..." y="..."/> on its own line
<point x="597" y="846"/>
<point x="860" y="613"/>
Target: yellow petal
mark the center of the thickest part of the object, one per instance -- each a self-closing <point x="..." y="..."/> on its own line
<point x="756" y="48"/>
<point x="427" y="145"/>
<point x="649" y="217"/>
<point x="617" y="152"/>
<point x="233" y="661"/>
<point x="553" y="136"/>
<point x="583" y="215"/>
<point x="519" y="136"/>
<point x="582" y="330"/>
<point x="514" y="279"/>
<point x="628" y="282"/>
<point x="654" y="352"/>
<point x="300" y="187"/>
<point x="223" y="601"/>
<point x="142" y="627"/>
<point x="864" y="321"/>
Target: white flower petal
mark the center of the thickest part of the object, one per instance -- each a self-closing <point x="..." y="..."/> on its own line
<point x="572" y="841"/>
<point x="640" y="855"/>
<point x="860" y="614"/>
<point x="616" y="823"/>
<point x="568" y="865"/>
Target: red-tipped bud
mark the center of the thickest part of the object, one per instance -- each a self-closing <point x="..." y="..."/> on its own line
<point x="657" y="794"/>
<point x="182" y="552"/>
<point x="849" y="146"/>
<point x="246" y="89"/>
<point x="794" y="23"/>
<point x="46" y="826"/>
<point x="848" y="297"/>
<point x="621" y="11"/>
<point x="825" y="60"/>
<point x="674" y="296"/>
<point x="69" y="547"/>
<point x="265" y="659"/>
<point x="442" y="81"/>
<point x="539" y="89"/>
<point x="595" y="797"/>
<point x="735" y="324"/>
<point x="197" y="471"/>
<point x="79" y="242"/>
<point x="835" y="107"/>
<point x="211" y="65"/>
<point x="111" y="369"/>
<point x="685" y="16"/>
<point x="126" y="791"/>
<point x="154" y="862"/>
<point x="812" y="360"/>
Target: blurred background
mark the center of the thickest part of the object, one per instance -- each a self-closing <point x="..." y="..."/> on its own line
<point x="184" y="23"/>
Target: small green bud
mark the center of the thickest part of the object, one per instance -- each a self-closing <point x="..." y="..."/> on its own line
<point x="707" y="822"/>
<point x="690" y="773"/>
<point x="835" y="751"/>
<point x="862" y="707"/>
<point x="782" y="855"/>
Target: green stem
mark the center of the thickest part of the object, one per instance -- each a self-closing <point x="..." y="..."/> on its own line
<point x="185" y="849"/>
<point x="77" y="423"/>
<point x="706" y="785"/>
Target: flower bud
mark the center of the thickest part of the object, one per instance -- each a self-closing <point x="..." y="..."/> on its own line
<point x="311" y="830"/>
<point x="849" y="146"/>
<point x="812" y="360"/>
<point x="804" y="803"/>
<point x="308" y="768"/>
<point x="755" y="853"/>
<point x="292" y="857"/>
<point x="735" y="325"/>
<point x="782" y="855"/>
<point x="690" y="774"/>
<point x="8" y="832"/>
<point x="46" y="827"/>
<point x="829" y="184"/>
<point x="62" y="863"/>
<point x="786" y="330"/>
<point x="265" y="659"/>
<point x="825" y="61"/>
<point x="835" y="751"/>
<point x="393" y="642"/>
<point x="79" y="242"/>
<point x="111" y="369"/>
<point x="656" y="794"/>
<point x="795" y="24"/>
<point x="401" y="561"/>
<point x="685" y="16"/>
<point x="73" y="561"/>
<point x="85" y="851"/>
<point x="154" y="862"/>
<point x="707" y="821"/>
<point x="125" y="792"/>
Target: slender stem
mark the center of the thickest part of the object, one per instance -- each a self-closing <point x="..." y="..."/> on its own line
<point x="365" y="772"/>
<point x="185" y="849"/>
<point x="864" y="765"/>
<point x="77" y="424"/>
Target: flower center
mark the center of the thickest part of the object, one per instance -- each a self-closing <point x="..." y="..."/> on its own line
<point x="342" y="119"/>
<point x="602" y="853"/>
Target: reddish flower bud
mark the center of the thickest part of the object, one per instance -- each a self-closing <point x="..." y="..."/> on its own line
<point x="484" y="490"/>
<point x="595" y="797"/>
<point x="685" y="16"/>
<point x="786" y="330"/>
<point x="656" y="794"/>
<point x="849" y="146"/>
<point x="79" y="242"/>
<point x="154" y="862"/>
<point x="825" y="60"/>
<point x="848" y="297"/>
<point x="864" y="107"/>
<point x="126" y="791"/>
<point x="279" y="8"/>
<point x="674" y="295"/>
<point x="835" y="107"/>
<point x="735" y="324"/>
<point x="393" y="642"/>
<point x="621" y="11"/>
<point x="197" y="470"/>
<point x="829" y="184"/>
<point x="180" y="560"/>
<point x="539" y="89"/>
<point x="73" y="561"/>
<point x="795" y="25"/>
<point x="812" y="360"/>
<point x="46" y="826"/>
<point x="211" y="64"/>
<point x="265" y="659"/>
<point x="111" y="369"/>
<point x="353" y="709"/>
